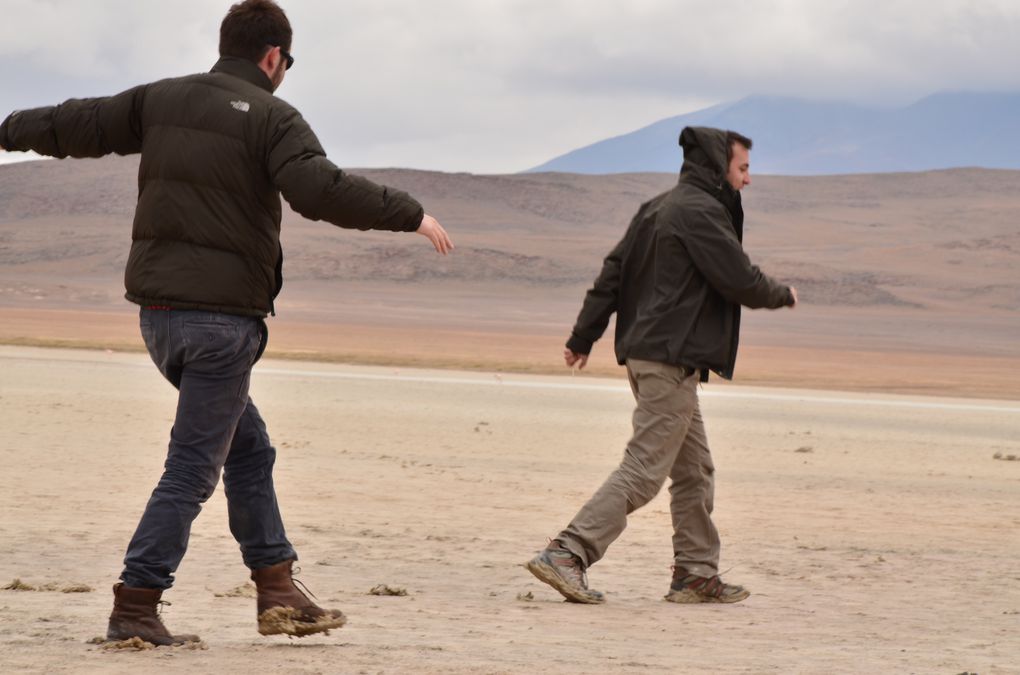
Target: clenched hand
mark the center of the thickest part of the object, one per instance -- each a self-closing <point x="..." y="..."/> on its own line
<point x="572" y="358"/>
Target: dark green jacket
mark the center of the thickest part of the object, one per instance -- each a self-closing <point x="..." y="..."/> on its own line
<point x="217" y="149"/>
<point x="678" y="277"/>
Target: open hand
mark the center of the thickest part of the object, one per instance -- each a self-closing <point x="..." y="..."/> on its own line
<point x="435" y="233"/>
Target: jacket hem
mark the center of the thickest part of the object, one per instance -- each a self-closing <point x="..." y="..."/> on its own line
<point x="196" y="306"/>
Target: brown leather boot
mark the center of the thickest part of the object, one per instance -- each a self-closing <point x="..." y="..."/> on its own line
<point x="284" y="609"/>
<point x="134" y="615"/>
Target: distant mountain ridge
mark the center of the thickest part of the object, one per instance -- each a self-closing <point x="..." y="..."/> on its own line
<point x="794" y="136"/>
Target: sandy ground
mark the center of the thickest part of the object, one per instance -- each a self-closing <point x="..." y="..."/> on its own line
<point x="877" y="533"/>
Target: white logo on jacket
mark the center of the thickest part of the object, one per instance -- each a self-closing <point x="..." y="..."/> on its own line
<point x="243" y="106"/>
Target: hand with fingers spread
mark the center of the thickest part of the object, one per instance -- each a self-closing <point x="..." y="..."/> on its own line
<point x="435" y="233"/>
<point x="572" y="358"/>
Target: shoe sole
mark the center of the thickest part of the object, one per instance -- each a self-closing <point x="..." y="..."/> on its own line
<point x="136" y="642"/>
<point x="548" y="574"/>
<point x="689" y="597"/>
<point x="281" y="621"/>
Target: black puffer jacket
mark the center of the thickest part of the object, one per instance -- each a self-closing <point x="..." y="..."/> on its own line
<point x="678" y="277"/>
<point x="218" y="149"/>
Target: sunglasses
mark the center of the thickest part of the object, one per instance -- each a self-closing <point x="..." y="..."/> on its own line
<point x="286" y="55"/>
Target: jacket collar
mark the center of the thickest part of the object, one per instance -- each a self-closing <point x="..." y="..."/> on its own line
<point x="244" y="69"/>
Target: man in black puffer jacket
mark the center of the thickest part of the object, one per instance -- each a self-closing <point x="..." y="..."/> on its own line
<point x="676" y="282"/>
<point x="217" y="150"/>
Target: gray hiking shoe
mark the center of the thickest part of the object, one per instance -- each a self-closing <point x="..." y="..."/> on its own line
<point x="565" y="572"/>
<point x="689" y="588"/>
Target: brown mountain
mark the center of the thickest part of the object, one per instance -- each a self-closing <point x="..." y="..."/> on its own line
<point x="907" y="281"/>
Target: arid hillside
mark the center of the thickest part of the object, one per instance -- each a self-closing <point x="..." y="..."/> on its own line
<point x="908" y="281"/>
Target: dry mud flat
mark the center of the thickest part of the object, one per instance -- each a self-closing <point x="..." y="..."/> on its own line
<point x="876" y="533"/>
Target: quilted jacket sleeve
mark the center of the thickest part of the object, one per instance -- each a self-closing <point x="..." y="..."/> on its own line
<point x="90" y="127"/>
<point x="319" y="190"/>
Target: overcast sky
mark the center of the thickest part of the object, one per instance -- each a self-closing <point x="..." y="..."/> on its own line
<point x="494" y="86"/>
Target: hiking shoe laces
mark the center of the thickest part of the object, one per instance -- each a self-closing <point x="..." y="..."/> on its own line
<point x="690" y="588"/>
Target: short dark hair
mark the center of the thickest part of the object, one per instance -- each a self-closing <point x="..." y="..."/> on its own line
<point x="253" y="27"/>
<point x="734" y="137"/>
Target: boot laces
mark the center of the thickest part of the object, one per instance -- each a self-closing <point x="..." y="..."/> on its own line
<point x="674" y="568"/>
<point x="301" y="584"/>
<point x="572" y="567"/>
<point x="713" y="585"/>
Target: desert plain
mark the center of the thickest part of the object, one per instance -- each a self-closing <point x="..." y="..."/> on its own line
<point x="430" y="440"/>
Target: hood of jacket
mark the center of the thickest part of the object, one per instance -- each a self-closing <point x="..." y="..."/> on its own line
<point x="705" y="163"/>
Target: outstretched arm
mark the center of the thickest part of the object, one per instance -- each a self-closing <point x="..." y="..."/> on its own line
<point x="319" y="190"/>
<point x="90" y="127"/>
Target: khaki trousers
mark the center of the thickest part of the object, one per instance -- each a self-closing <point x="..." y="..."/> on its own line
<point x="669" y="440"/>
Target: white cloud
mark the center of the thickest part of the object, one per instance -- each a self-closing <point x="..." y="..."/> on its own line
<point x="490" y="85"/>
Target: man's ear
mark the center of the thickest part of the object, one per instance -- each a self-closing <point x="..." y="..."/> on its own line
<point x="270" y="61"/>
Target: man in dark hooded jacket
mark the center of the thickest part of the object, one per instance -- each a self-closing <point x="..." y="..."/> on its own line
<point x="217" y="150"/>
<point x="676" y="282"/>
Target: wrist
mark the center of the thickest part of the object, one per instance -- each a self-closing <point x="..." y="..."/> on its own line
<point x="579" y="345"/>
<point x="5" y="133"/>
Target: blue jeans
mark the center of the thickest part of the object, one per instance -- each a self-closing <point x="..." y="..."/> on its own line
<point x="208" y="357"/>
